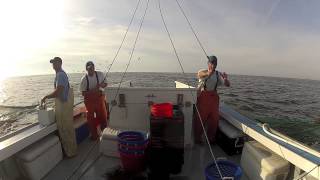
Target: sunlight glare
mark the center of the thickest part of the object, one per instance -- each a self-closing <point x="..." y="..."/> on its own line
<point x="26" y="27"/>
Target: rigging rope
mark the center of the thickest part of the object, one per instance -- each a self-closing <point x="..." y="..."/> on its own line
<point x="124" y="37"/>
<point x="84" y="160"/>
<point x="95" y="144"/>
<point x="118" y="89"/>
<point x="193" y="31"/>
<point x="131" y="54"/>
<point x="306" y="173"/>
<point x="177" y="56"/>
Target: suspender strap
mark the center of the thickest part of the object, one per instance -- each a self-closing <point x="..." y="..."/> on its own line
<point x="215" y="87"/>
<point x="205" y="81"/>
<point x="88" y="80"/>
<point x="97" y="77"/>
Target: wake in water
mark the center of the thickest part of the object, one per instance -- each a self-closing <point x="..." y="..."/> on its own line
<point x="18" y="107"/>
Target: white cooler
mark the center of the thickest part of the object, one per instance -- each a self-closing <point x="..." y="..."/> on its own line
<point x="39" y="158"/>
<point x="109" y="142"/>
<point x="46" y="116"/>
<point x="258" y="162"/>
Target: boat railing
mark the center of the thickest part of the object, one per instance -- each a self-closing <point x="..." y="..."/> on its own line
<point x="301" y="156"/>
<point x="13" y="133"/>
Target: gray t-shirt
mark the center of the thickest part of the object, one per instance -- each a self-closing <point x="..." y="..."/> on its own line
<point x="211" y="81"/>
<point x="62" y="80"/>
<point x="92" y="81"/>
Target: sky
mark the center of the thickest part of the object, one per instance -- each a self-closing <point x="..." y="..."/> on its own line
<point x="265" y="38"/>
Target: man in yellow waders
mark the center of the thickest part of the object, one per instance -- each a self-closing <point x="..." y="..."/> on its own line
<point x="63" y="95"/>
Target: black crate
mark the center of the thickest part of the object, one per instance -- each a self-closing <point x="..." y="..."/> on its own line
<point x="231" y="146"/>
<point x="166" y="151"/>
<point x="165" y="160"/>
<point x="168" y="132"/>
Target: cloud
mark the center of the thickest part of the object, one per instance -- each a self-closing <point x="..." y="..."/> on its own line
<point x="249" y="37"/>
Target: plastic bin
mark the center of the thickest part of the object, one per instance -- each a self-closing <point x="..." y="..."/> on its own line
<point x="132" y="146"/>
<point x="259" y="162"/>
<point x="162" y="110"/>
<point x="227" y="169"/>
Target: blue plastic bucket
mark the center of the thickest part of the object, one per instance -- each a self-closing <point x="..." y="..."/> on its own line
<point x="227" y="169"/>
<point x="132" y="138"/>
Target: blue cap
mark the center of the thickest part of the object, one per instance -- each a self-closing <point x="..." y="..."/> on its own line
<point x="56" y="59"/>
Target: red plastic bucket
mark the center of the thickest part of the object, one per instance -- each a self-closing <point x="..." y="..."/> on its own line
<point x="132" y="146"/>
<point x="162" y="110"/>
<point x="133" y="162"/>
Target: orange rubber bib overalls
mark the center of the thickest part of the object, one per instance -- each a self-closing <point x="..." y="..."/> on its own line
<point x="96" y="107"/>
<point x="208" y="106"/>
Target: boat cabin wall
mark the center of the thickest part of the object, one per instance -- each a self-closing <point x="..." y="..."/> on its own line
<point x="130" y="107"/>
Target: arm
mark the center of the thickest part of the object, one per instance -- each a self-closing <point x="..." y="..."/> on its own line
<point x="198" y="92"/>
<point x="225" y="79"/>
<point x="200" y="86"/>
<point x="104" y="83"/>
<point x="57" y="92"/>
<point x="227" y="82"/>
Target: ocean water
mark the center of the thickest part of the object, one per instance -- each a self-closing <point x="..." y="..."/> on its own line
<point x="290" y="106"/>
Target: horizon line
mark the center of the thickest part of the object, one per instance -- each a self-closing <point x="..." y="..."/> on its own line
<point x="267" y="76"/>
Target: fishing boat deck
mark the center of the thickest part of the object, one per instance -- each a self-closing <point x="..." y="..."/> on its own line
<point x="97" y="166"/>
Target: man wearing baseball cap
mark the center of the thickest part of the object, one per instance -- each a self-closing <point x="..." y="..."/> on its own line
<point x="92" y="88"/>
<point x="208" y="99"/>
<point x="63" y="95"/>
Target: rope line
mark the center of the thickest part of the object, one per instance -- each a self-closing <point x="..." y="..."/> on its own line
<point x="306" y="173"/>
<point x="193" y="31"/>
<point x="95" y="144"/>
<point x="142" y="20"/>
<point x="84" y="160"/>
<point x="91" y="164"/>
<point x="131" y="54"/>
<point x="123" y="39"/>
<point x="177" y="56"/>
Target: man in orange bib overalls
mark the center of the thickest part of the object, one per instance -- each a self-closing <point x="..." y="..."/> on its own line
<point x="92" y="88"/>
<point x="208" y="100"/>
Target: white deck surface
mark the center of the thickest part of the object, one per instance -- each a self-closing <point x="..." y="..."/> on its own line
<point x="16" y="143"/>
<point x="196" y="160"/>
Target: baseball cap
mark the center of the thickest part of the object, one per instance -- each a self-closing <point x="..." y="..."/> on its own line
<point x="213" y="60"/>
<point x="56" y="59"/>
<point x="89" y="63"/>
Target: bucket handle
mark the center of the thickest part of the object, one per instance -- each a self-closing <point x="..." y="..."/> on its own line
<point x="221" y="158"/>
<point x="228" y="178"/>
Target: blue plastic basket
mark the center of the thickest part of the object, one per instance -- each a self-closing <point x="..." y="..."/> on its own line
<point x="132" y="146"/>
<point x="132" y="138"/>
<point x="227" y="168"/>
<point x="132" y="142"/>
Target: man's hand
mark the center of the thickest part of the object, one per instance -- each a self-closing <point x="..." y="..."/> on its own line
<point x="103" y="85"/>
<point x="224" y="75"/>
<point x="93" y="90"/>
<point x="225" y="78"/>
<point x="43" y="100"/>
